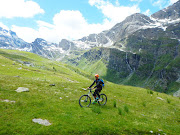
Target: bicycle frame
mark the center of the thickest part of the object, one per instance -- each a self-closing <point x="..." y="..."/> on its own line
<point x="90" y="92"/>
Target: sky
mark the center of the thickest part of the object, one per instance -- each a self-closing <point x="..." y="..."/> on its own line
<point x="54" y="20"/>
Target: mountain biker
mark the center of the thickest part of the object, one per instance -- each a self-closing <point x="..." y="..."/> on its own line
<point x="98" y="87"/>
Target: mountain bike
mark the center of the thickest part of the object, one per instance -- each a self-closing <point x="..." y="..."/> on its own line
<point x="85" y="100"/>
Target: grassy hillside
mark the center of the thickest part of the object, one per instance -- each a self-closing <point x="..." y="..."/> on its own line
<point x="129" y="110"/>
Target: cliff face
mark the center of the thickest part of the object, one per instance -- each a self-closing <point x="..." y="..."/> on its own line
<point x="156" y="68"/>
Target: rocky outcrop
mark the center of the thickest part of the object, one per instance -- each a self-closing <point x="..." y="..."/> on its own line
<point x="67" y="45"/>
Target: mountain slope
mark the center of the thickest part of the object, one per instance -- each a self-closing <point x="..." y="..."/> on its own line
<point x="129" y="110"/>
<point x="150" y="59"/>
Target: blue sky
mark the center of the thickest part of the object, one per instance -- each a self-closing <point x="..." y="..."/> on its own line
<point x="54" y="20"/>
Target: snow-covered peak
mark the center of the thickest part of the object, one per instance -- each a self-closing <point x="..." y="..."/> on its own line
<point x="4" y="32"/>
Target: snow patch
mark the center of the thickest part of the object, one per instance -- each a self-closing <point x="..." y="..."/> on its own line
<point x="109" y="43"/>
<point x="81" y="45"/>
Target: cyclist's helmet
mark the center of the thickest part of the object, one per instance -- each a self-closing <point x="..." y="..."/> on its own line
<point x="96" y="75"/>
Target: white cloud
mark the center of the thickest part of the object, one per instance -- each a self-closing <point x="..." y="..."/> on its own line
<point x="4" y="26"/>
<point x="159" y="3"/>
<point x="147" y="12"/>
<point x="136" y="0"/>
<point x="116" y="13"/>
<point x="66" y="24"/>
<point x="27" y="34"/>
<point x="19" y="8"/>
<point x="162" y="4"/>
<point x="172" y="2"/>
<point x="71" y="24"/>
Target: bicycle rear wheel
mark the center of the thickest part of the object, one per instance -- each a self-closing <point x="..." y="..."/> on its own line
<point x="84" y="101"/>
<point x="103" y="99"/>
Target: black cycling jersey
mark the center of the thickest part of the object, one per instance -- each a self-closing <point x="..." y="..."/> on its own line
<point x="98" y="84"/>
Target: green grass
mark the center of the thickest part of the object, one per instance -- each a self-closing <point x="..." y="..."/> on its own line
<point x="115" y="104"/>
<point x="136" y="112"/>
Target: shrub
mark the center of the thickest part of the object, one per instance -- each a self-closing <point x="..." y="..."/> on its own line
<point x="168" y="101"/>
<point x="120" y="112"/>
<point x="114" y="104"/>
<point x="126" y="109"/>
<point x="144" y="104"/>
<point x="151" y="92"/>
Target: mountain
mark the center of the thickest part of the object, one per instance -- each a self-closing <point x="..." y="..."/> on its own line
<point x="46" y="49"/>
<point x="145" y="52"/>
<point x="119" y="31"/>
<point x="141" y="51"/>
<point x="9" y="40"/>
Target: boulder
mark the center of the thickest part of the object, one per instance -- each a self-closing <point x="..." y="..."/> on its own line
<point x="22" y="89"/>
<point x="42" y="122"/>
<point x="177" y="93"/>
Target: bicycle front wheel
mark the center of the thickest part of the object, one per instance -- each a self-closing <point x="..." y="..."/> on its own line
<point x="103" y="99"/>
<point x="84" y="101"/>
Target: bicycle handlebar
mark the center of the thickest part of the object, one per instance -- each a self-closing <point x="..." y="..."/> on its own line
<point x="90" y="89"/>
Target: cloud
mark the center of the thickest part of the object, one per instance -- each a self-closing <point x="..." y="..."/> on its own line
<point x="115" y="13"/>
<point x="27" y="34"/>
<point x="147" y="12"/>
<point x="67" y="24"/>
<point x="71" y="24"/>
<point x="4" y="26"/>
<point x="137" y="0"/>
<point x="159" y="3"/>
<point x="172" y="2"/>
<point x="162" y="4"/>
<point x="19" y="8"/>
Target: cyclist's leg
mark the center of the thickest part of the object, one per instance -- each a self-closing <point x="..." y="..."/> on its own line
<point x="98" y="90"/>
<point x="94" y="94"/>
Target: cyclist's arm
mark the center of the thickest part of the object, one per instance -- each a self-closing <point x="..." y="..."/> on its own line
<point x="92" y="84"/>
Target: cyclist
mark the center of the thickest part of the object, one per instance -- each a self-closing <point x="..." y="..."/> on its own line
<point x="98" y="87"/>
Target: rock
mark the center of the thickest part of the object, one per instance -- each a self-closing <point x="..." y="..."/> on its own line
<point x="177" y="93"/>
<point x="160" y="98"/>
<point x="6" y="100"/>
<point x="42" y="122"/>
<point x="22" y="89"/>
<point x="52" y="85"/>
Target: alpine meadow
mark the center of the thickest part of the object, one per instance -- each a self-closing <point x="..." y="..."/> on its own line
<point x="137" y="110"/>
